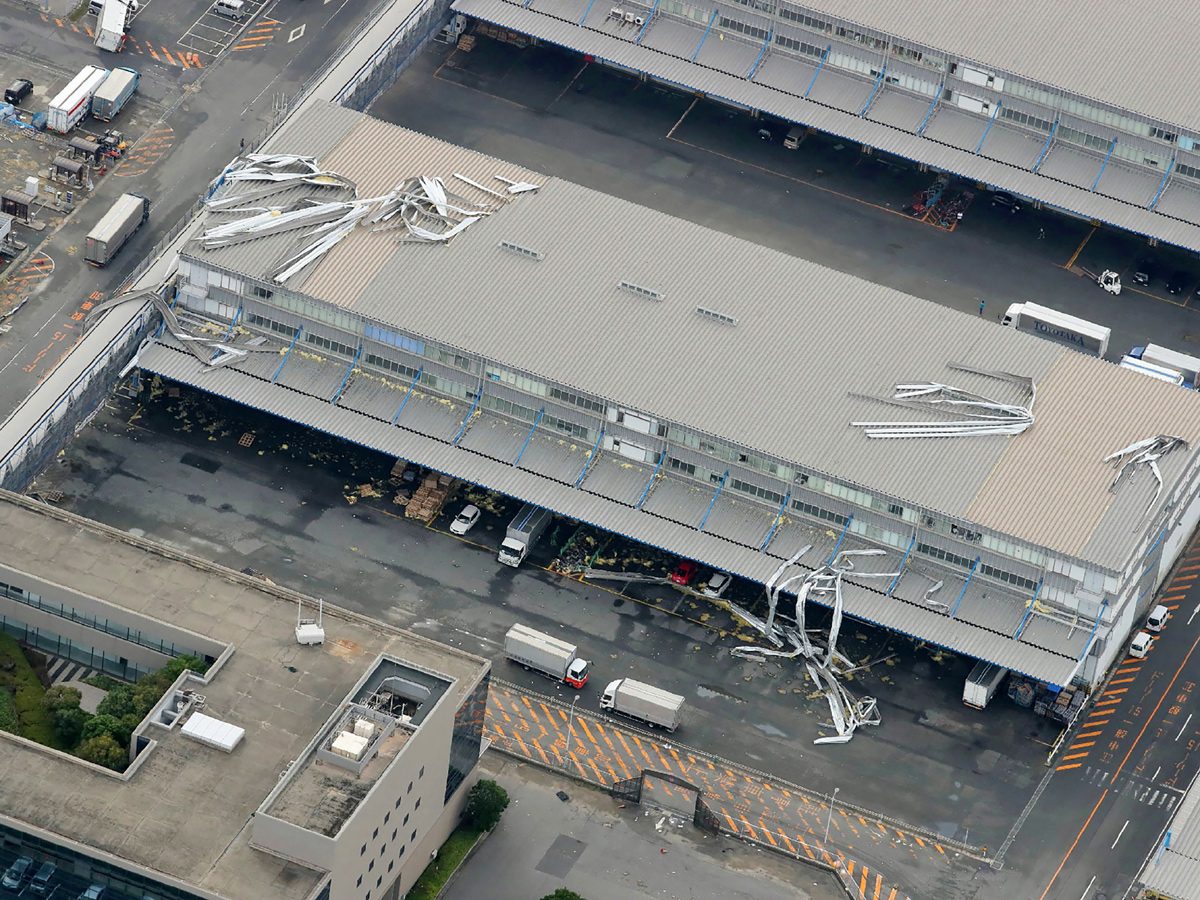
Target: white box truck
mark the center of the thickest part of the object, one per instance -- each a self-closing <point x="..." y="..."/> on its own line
<point x="1151" y="370"/>
<point x="1049" y="323"/>
<point x="75" y="100"/>
<point x="112" y="231"/>
<point x="548" y="655"/>
<point x="1187" y="366"/>
<point x="111" y="23"/>
<point x="643" y="702"/>
<point x="112" y="96"/>
<point x="523" y="531"/>
<point x="983" y="682"/>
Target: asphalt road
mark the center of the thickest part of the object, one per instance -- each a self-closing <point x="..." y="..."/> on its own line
<point x="207" y="111"/>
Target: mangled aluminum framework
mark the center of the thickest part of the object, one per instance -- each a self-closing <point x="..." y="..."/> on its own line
<point x="847" y="712"/>
<point x="273" y="194"/>
<point x="969" y="414"/>
<point x="1128" y="461"/>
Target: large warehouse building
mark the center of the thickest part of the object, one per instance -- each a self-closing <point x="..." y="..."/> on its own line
<point x="1054" y="103"/>
<point x="687" y="389"/>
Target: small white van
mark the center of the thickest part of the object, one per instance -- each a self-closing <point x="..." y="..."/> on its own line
<point x="794" y="137"/>
<point x="1141" y="645"/>
<point x="1158" y="618"/>
<point x="231" y="9"/>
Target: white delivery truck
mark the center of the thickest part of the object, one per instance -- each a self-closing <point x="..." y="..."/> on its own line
<point x="795" y="137"/>
<point x="112" y="231"/>
<point x="111" y="23"/>
<point x="112" y="96"/>
<point x="983" y="682"/>
<point x="644" y="702"/>
<point x="1150" y="370"/>
<point x="523" y="531"/>
<point x="548" y="655"/>
<point x="1188" y="366"/>
<point x="74" y="101"/>
<point x="1049" y="323"/>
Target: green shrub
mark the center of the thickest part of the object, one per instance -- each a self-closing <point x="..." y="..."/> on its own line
<point x="563" y="894"/>
<point x="103" y="751"/>
<point x="34" y="721"/>
<point x="69" y="724"/>
<point x="485" y="803"/>
<point x="61" y="697"/>
<point x="8" y="713"/>
<point x="449" y="858"/>
<point x="104" y="682"/>
<point x="100" y="726"/>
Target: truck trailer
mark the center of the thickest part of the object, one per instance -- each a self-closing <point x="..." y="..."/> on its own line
<point x="114" y="93"/>
<point x="983" y="682"/>
<point x="523" y="531"/>
<point x="1152" y="370"/>
<point x="1049" y="323"/>
<point x="1187" y="366"/>
<point x="548" y="655"/>
<point x="112" y="231"/>
<point x="643" y="702"/>
<point x="111" y="22"/>
<point x="75" y="100"/>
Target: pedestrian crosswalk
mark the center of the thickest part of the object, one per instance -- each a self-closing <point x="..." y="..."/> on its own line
<point x="63" y="670"/>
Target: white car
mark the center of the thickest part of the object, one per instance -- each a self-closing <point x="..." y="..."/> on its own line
<point x="465" y="520"/>
<point x="1141" y="645"/>
<point x="717" y="584"/>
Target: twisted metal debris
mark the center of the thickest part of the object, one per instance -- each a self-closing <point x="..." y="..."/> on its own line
<point x="973" y="414"/>
<point x="846" y="712"/>
<point x="1143" y="453"/>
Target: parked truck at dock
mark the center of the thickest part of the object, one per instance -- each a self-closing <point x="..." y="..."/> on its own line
<point x="643" y="702"/>
<point x="73" y="102"/>
<point x="114" y="93"/>
<point x="545" y="654"/>
<point x="983" y="682"/>
<point x="1186" y="365"/>
<point x="117" y="226"/>
<point x="1048" y="323"/>
<point x="111" y="22"/>
<point x="523" y="531"/>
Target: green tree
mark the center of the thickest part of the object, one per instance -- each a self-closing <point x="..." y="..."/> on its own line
<point x="125" y="726"/>
<point x="119" y="702"/>
<point x="103" y="750"/>
<point x="563" y="894"/>
<point x="61" y="697"/>
<point x="485" y="803"/>
<point x="8" y="712"/>
<point x="69" y="723"/>
<point x="100" y="726"/>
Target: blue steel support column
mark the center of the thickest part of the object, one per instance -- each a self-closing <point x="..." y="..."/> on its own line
<point x="932" y="106"/>
<point x="713" y="501"/>
<point x="761" y="54"/>
<point x="646" y="24"/>
<point x="900" y="571"/>
<point x="528" y="437"/>
<point x="824" y="56"/>
<point x="706" y="31"/>
<point x="228" y="331"/>
<point x="838" y="545"/>
<point x="646" y="489"/>
<point x="1045" y="148"/>
<point x="1162" y="184"/>
<point x="1087" y="645"/>
<point x="591" y="457"/>
<point x="871" y="99"/>
<point x="989" y="128"/>
<point x="966" y="585"/>
<point x="346" y="377"/>
<point x="163" y="324"/>
<point x="467" y="418"/>
<point x="775" y="524"/>
<point x="1111" y="147"/>
<point x="283" y="362"/>
<point x="586" y="11"/>
<point x="1028" y="609"/>
<point x="408" y="394"/>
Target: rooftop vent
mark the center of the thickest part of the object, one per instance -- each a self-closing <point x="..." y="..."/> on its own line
<point x="638" y="289"/>
<point x="523" y="251"/>
<point x="719" y="316"/>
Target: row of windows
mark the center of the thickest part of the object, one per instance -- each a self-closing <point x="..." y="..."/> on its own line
<point x="686" y="10"/>
<point x="742" y="28"/>
<point x="508" y="408"/>
<point x="1025" y="119"/>
<point x="1083" y="139"/>
<point x="818" y="512"/>
<point x="576" y="400"/>
<point x="394" y="340"/>
<point x="391" y="365"/>
<point x="56" y="645"/>
<point x="566" y="427"/>
<point x="984" y="569"/>
<point x="803" y="19"/>
<point x="270" y="324"/>
<point x="520" y="382"/>
<point x="754" y="490"/>
<point x="331" y="345"/>
<point x="761" y="5"/>
<point x="799" y="46"/>
<point x="866" y="40"/>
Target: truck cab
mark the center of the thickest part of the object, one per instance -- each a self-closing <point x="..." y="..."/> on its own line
<point x="577" y="673"/>
<point x="512" y="552"/>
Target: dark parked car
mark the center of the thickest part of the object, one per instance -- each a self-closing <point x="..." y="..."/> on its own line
<point x="17" y="874"/>
<point x="94" y="892"/>
<point x="1143" y="271"/>
<point x="40" y="885"/>
<point x="1178" y="281"/>
<point x="1006" y="200"/>
<point x="18" y="91"/>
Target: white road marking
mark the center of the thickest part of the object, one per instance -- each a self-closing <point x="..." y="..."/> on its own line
<point x="297" y="33"/>
<point x="1122" y="831"/>
<point x="1193" y="615"/>
<point x="1184" y="728"/>
<point x="1088" y="889"/>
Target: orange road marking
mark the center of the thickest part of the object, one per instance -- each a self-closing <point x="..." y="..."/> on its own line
<point x="183" y="59"/>
<point x="1081" y="746"/>
<point x="862" y="887"/>
<point x="582" y="721"/>
<point x="878" y="885"/>
<point x="1075" y="756"/>
<point x="1117" y="691"/>
<point x="58" y="22"/>
<point x="642" y="749"/>
<point x="1123" y="680"/>
<point x="892" y="895"/>
<point x="1073" y="845"/>
<point x="152" y="53"/>
<point x="1088" y="734"/>
<point x="1101" y="722"/>
<point x="621" y="738"/>
<point x="168" y="55"/>
<point x="939" y="849"/>
<point x="849" y="866"/>
<point x="767" y="832"/>
<point x="529" y="706"/>
<point x="918" y="840"/>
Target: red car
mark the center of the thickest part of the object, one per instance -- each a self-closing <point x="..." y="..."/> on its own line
<point x="684" y="573"/>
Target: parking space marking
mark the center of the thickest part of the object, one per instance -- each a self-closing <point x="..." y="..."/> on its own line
<point x="147" y="152"/>
<point x="26" y="279"/>
<point x="1079" y="249"/>
<point x="211" y="34"/>
<point x="258" y="36"/>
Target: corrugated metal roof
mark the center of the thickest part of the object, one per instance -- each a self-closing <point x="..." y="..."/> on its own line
<point x="1051" y="483"/>
<point x="1175" y="873"/>
<point x="475" y="296"/>
<point x="1182" y="227"/>
<point x="1045" y="663"/>
<point x="1097" y="49"/>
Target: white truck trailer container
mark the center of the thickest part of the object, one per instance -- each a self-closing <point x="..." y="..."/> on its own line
<point x="112" y="231"/>
<point x="1049" y="323"/>
<point x="983" y="682"/>
<point x="1152" y="370"/>
<point x="643" y="702"/>
<point x="523" y="531"/>
<point x="548" y="655"/>
<point x="111" y="96"/>
<point x="75" y="100"/>
<point x="111" y="24"/>
<point x="1188" y="366"/>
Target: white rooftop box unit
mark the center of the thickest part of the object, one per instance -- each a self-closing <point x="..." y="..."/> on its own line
<point x="364" y="728"/>
<point x="213" y="732"/>
<point x="350" y="745"/>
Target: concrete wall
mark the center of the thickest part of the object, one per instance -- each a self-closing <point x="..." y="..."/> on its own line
<point x="291" y="841"/>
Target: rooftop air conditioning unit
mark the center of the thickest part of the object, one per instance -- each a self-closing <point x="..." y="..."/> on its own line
<point x="639" y="21"/>
<point x="628" y="18"/>
<point x="616" y="13"/>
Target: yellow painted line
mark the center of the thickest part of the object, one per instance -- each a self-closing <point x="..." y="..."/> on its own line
<point x="862" y="887"/>
<point x="878" y="885"/>
<point x="892" y="895"/>
<point x="789" y="843"/>
<point x="642" y="749"/>
<point x="732" y="824"/>
<point x="582" y="721"/>
<point x="183" y="59"/>
<point x="939" y="849"/>
<point x="766" y="831"/>
<point x="849" y="866"/>
<point x="58" y="22"/>
<point x="918" y="840"/>
<point x="1079" y="249"/>
<point x="529" y="706"/>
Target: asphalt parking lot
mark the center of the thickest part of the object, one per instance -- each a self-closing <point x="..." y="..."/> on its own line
<point x="825" y="201"/>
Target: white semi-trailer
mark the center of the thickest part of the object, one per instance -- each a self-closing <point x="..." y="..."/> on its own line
<point x="1050" y="323"/>
<point x="644" y="702"/>
<point x="548" y="655"/>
